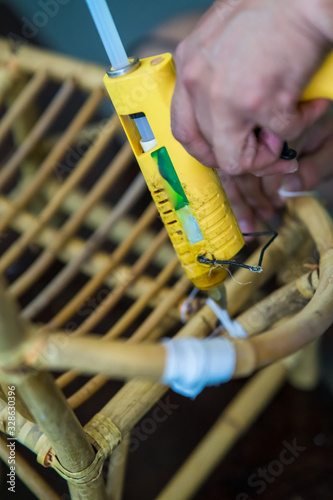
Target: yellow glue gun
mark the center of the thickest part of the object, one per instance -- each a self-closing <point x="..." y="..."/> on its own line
<point x="189" y="196"/>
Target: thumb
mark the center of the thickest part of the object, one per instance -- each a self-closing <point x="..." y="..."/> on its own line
<point x="185" y="128"/>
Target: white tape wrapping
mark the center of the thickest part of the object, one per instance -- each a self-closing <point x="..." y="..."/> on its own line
<point x="193" y="364"/>
<point x="234" y="328"/>
<point x="295" y="194"/>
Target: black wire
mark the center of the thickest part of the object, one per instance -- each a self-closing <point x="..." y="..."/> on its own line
<point x="254" y="269"/>
<point x="263" y="233"/>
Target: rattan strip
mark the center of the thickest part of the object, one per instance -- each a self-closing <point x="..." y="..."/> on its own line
<point x="81" y="169"/>
<point x="96" y="262"/>
<point x="113" y="298"/>
<point x="143" y="333"/>
<point x="48" y="165"/>
<point x="22" y="101"/>
<point x="116" y="168"/>
<point x="199" y="325"/>
<point x="132" y="313"/>
<point x="38" y="131"/>
<point x="30" y="59"/>
<point x="101" y="212"/>
<point x="36" y="484"/>
<point x="99" y="278"/>
<point x="117" y="470"/>
<point x="233" y="422"/>
<point x="166" y="324"/>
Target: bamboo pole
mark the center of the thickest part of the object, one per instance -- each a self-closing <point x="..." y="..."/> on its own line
<point x="48" y="165"/>
<point x="132" y="402"/>
<point x="22" y="101"/>
<point x="8" y="77"/>
<point x="36" y="484"/>
<point x="317" y="316"/>
<point x="31" y="436"/>
<point x="116" y="472"/>
<point x="31" y="59"/>
<point x="113" y="298"/>
<point x="101" y="211"/>
<point x="141" y="334"/>
<point x="9" y="322"/>
<point x="76" y="176"/>
<point x="88" y="133"/>
<point x="281" y="303"/>
<point x="93" y="265"/>
<point x="131" y="314"/>
<point x="71" y="447"/>
<point x="115" y="359"/>
<point x="69" y="272"/>
<point x="40" y="128"/>
<point x="107" y="179"/>
<point x="229" y="427"/>
<point x="28" y="434"/>
<point x="305" y="376"/>
<point x="137" y="308"/>
<point x="251" y="354"/>
<point x="61" y="426"/>
<point x="96" y="382"/>
<point x="38" y="391"/>
<point x="273" y="256"/>
<point x="93" y="285"/>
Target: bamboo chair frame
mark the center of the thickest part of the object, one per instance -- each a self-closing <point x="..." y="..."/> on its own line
<point x="46" y="217"/>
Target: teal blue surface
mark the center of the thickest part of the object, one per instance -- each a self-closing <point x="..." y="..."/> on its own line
<point x="71" y="30"/>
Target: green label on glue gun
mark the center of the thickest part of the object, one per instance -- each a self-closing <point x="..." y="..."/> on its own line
<point x="176" y="195"/>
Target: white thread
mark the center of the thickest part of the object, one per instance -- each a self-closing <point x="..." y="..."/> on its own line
<point x="295" y="194"/>
<point x="192" y="364"/>
<point x="234" y="328"/>
<point x="219" y="266"/>
<point x="186" y="302"/>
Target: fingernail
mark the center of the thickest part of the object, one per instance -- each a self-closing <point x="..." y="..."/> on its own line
<point x="289" y="167"/>
<point x="292" y="183"/>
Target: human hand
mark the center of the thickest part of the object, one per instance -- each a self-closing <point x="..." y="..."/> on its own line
<point x="245" y="66"/>
<point x="254" y="198"/>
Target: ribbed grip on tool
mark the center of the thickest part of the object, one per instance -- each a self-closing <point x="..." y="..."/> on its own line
<point x="220" y="238"/>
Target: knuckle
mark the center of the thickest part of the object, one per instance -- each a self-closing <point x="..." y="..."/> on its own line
<point x="190" y="74"/>
<point x="252" y="100"/>
<point x="232" y="168"/>
<point x="179" y="54"/>
<point x="286" y="100"/>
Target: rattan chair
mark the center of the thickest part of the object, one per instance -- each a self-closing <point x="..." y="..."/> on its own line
<point x="83" y="252"/>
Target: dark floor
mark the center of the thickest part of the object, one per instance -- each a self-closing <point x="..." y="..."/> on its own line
<point x="294" y="418"/>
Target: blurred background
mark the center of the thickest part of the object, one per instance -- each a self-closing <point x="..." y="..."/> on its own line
<point x="66" y="25"/>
